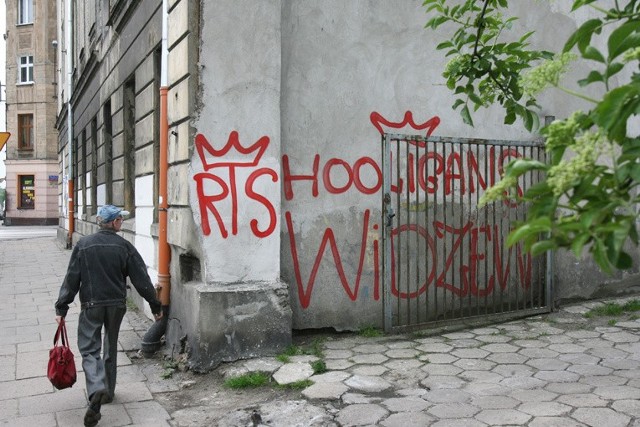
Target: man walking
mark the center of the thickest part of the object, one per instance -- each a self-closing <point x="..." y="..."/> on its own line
<point x="98" y="268"/>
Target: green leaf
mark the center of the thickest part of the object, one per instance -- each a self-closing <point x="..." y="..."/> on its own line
<point x="592" y="53"/>
<point x="518" y="167"/>
<point x="543" y="246"/>
<point x="594" y="76"/>
<point x="533" y="227"/>
<point x="623" y="38"/>
<point x="599" y="251"/>
<point x="579" y="3"/>
<point x="578" y="244"/>
<point x="510" y="118"/>
<point x="466" y="115"/>
<point x="614" y="68"/>
<point x="444" y="45"/>
<point x="624" y="261"/>
<point x="582" y="36"/>
<point x="615" y="108"/>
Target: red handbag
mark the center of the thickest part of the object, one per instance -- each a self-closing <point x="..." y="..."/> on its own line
<point x="62" y="368"/>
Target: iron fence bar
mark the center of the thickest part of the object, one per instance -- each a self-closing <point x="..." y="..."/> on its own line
<point x="387" y="218"/>
<point x="408" y="244"/>
<point x="416" y="179"/>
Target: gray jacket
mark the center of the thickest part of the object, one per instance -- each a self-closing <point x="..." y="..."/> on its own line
<point x="99" y="266"/>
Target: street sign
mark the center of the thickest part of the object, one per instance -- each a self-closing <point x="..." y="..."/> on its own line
<point x="4" y="137"/>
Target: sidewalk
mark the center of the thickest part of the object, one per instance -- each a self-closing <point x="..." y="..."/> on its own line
<point x="31" y="271"/>
<point x="561" y="369"/>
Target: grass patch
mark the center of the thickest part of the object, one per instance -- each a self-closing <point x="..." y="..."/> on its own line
<point x="370" y="332"/>
<point x="319" y="367"/>
<point x="131" y="305"/>
<point x="252" y="380"/>
<point x="612" y="322"/>
<point x="614" y="309"/>
<point x="315" y="349"/>
<point x="298" y="385"/>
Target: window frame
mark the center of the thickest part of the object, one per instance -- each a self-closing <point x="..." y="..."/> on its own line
<point x="28" y="127"/>
<point x="26" y="67"/>
<point x="25" y="12"/>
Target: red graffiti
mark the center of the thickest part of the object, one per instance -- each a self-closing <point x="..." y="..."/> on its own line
<point x="305" y="291"/>
<point x="243" y="157"/>
<point x="465" y="237"/>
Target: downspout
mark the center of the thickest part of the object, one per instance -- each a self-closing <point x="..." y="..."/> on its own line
<point x="151" y="340"/>
<point x="69" y="65"/>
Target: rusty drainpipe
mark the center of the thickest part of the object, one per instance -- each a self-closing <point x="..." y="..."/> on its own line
<point x="151" y="340"/>
<point x="69" y="65"/>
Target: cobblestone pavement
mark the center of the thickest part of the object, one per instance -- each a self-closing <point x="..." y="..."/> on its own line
<point x="561" y="369"/>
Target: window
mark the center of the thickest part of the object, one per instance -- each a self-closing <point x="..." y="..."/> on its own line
<point x="129" y="131"/>
<point x="26" y="69"/>
<point x="27" y="192"/>
<point x="25" y="131"/>
<point x="25" y="11"/>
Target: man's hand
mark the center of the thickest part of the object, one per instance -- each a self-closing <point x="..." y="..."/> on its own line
<point x="158" y="316"/>
<point x="59" y="319"/>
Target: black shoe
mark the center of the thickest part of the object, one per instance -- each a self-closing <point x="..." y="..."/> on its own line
<point x="107" y="398"/>
<point x="92" y="416"/>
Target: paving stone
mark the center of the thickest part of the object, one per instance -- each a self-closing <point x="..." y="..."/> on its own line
<point x="607" y="352"/>
<point x="621" y="363"/>
<point x="621" y="337"/>
<point x="440" y="369"/>
<point x="370" y="348"/>
<point x="548" y="364"/>
<point x="579" y="359"/>
<point x="42" y="420"/>
<point x="465" y="343"/>
<point x="411" y="392"/>
<point x="590" y="370"/>
<point x="412" y="419"/>
<point x="537" y="395"/>
<point x="460" y="422"/>
<point x="435" y="348"/>
<point x="447" y="395"/>
<point x="367" y="383"/>
<point x="557" y="376"/>
<point x="503" y="417"/>
<point x="494" y="338"/>
<point x="361" y="415"/>
<point x="325" y="390"/>
<point x="372" y="370"/>
<point x="369" y="359"/>
<point x="337" y="354"/>
<point x="358" y="398"/>
<point x="264" y="364"/>
<point x="406" y="353"/>
<point x="8" y="409"/>
<point x="630" y="373"/>
<point x="568" y="388"/>
<point x="475" y="364"/>
<point x="405" y="404"/>
<point x="439" y="358"/>
<point x="442" y="381"/>
<point x="630" y="407"/>
<point x="453" y="410"/>
<point x="567" y="348"/>
<point x="555" y="422"/>
<point x="458" y="335"/>
<point x="529" y="343"/>
<point x="514" y="370"/>
<point x="544" y="409"/>
<point x="330" y="377"/>
<point x="430" y="340"/>
<point x="557" y="339"/>
<point x="470" y="353"/>
<point x="500" y="348"/>
<point x="143" y="413"/>
<point x="73" y="398"/>
<point x="487" y="389"/>
<point x="508" y="358"/>
<point x="481" y="376"/>
<point x="338" y="364"/>
<point x="582" y="334"/>
<point x="618" y="392"/>
<point x="293" y="372"/>
<point x="404" y="364"/>
<point x="493" y="402"/>
<point x="404" y="343"/>
<point x="539" y="353"/>
<point x="597" y="417"/>
<point x="604" y="380"/>
<point x="586" y="400"/>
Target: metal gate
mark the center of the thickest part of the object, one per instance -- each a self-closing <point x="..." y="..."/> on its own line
<point x="445" y="259"/>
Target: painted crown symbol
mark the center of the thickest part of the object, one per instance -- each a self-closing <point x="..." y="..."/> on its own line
<point x="232" y="154"/>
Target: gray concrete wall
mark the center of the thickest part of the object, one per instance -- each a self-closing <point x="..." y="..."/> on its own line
<point x="321" y="84"/>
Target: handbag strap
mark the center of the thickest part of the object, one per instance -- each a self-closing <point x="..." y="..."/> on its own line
<point x="61" y="333"/>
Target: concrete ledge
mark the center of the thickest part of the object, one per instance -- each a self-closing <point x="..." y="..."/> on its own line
<point x="230" y="321"/>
